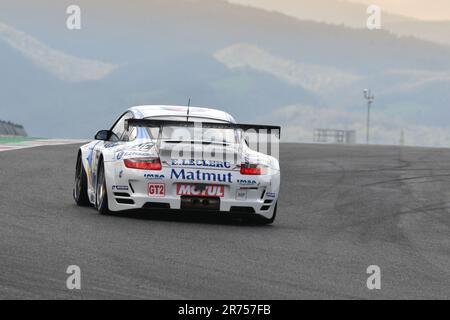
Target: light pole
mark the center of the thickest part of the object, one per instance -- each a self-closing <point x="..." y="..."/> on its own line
<point x="370" y="98"/>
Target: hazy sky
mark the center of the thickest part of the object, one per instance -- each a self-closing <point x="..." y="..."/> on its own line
<point x="421" y="9"/>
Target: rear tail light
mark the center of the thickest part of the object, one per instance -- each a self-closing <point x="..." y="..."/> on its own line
<point x="143" y="164"/>
<point x="253" y="169"/>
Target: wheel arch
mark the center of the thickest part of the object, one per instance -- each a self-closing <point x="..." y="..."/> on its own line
<point x="109" y="176"/>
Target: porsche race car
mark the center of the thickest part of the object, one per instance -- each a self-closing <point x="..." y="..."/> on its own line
<point x="178" y="158"/>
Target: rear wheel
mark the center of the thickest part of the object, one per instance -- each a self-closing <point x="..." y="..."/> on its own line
<point x="80" y="185"/>
<point x="101" y="192"/>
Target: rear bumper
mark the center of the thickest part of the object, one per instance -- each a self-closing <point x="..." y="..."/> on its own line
<point x="264" y="207"/>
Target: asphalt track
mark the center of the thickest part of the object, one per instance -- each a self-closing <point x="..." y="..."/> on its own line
<point x="341" y="210"/>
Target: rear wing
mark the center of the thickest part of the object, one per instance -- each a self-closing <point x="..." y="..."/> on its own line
<point x="250" y="128"/>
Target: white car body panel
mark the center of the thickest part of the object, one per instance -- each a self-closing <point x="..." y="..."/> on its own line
<point x="129" y="188"/>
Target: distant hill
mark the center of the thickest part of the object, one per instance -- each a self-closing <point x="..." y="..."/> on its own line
<point x="436" y="31"/>
<point x="339" y="12"/>
<point x="347" y="13"/>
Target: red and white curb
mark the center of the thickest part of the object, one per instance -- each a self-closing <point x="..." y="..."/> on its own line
<point x="37" y="143"/>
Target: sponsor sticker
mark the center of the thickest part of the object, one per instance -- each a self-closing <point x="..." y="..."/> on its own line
<point x="109" y="145"/>
<point x="241" y="195"/>
<point x="201" y="176"/>
<point x="119" y="155"/>
<point x="201" y="163"/>
<point x="154" y="176"/>
<point x="120" y="188"/>
<point x="247" y="182"/>
<point x="156" y="189"/>
<point x="144" y="146"/>
<point x="129" y="154"/>
<point x="201" y="191"/>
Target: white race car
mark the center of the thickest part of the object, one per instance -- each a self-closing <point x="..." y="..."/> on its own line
<point x="185" y="158"/>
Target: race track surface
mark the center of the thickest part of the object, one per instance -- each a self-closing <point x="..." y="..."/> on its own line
<point x="342" y="209"/>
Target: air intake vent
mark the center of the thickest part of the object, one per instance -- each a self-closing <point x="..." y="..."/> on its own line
<point x="121" y="194"/>
<point x="125" y="201"/>
<point x="156" y="205"/>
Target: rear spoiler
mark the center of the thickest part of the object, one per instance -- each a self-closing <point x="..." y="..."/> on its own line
<point x="164" y="123"/>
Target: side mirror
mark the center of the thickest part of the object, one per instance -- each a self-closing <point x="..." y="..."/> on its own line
<point x="103" y="135"/>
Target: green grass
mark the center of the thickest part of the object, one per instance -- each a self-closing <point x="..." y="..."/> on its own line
<point x="6" y="140"/>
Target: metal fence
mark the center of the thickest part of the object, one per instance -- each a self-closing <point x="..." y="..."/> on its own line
<point x="11" y="129"/>
<point x="334" y="136"/>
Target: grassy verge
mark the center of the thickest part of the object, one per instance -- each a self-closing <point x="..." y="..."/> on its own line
<point x="6" y="140"/>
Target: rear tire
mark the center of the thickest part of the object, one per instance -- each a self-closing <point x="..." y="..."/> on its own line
<point x="101" y="191"/>
<point x="80" y="194"/>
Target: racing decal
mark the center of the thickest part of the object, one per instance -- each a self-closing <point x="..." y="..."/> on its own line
<point x="120" y="188"/>
<point x="201" y="191"/>
<point x="109" y="145"/>
<point x="241" y="194"/>
<point x="145" y="147"/>
<point x="122" y="154"/>
<point x="202" y="163"/>
<point x="247" y="182"/>
<point x="200" y="176"/>
<point x="90" y="163"/>
<point x="119" y="155"/>
<point x="154" y="176"/>
<point x="156" y="189"/>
